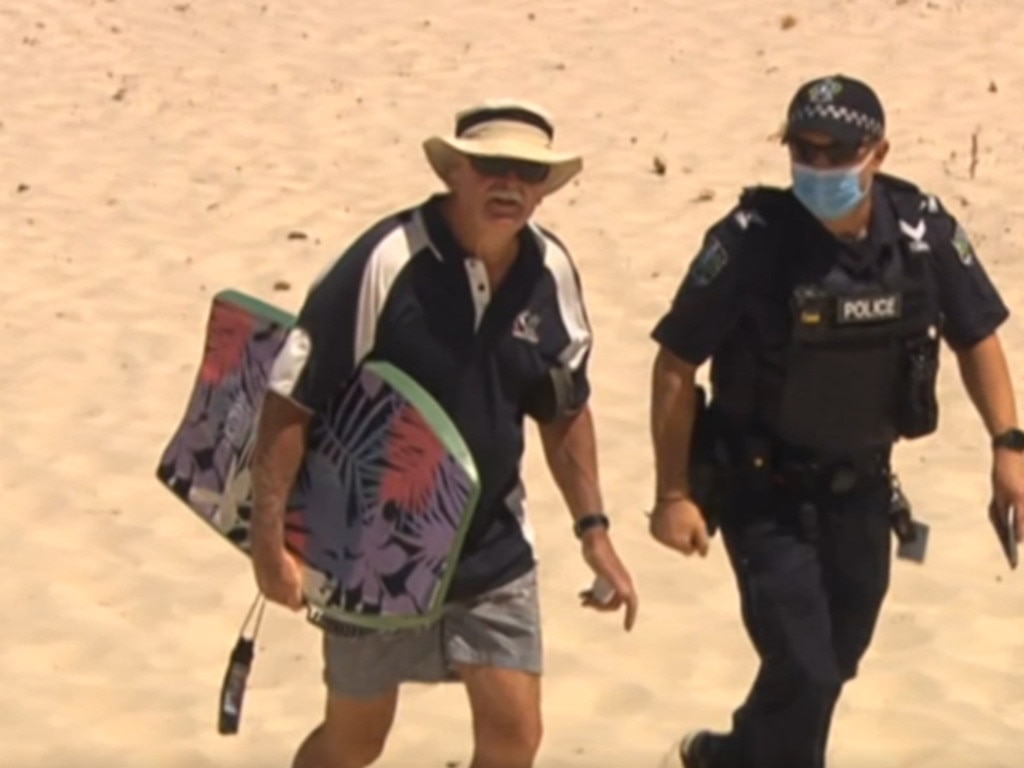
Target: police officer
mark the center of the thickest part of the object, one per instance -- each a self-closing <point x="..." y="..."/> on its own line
<point x="821" y="308"/>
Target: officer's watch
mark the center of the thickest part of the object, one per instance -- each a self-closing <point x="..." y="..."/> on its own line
<point x="587" y="522"/>
<point x="1011" y="439"/>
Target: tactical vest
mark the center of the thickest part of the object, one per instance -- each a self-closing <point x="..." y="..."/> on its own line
<point x="861" y="359"/>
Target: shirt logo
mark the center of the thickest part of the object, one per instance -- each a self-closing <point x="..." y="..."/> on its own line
<point x="525" y="326"/>
<point x="870" y="309"/>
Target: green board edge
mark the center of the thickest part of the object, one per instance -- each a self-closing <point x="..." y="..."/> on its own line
<point x="256" y="306"/>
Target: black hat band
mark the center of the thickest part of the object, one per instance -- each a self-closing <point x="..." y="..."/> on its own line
<point x="513" y="114"/>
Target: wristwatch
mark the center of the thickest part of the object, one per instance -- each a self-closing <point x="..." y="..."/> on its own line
<point x="1011" y="439"/>
<point x="587" y="522"/>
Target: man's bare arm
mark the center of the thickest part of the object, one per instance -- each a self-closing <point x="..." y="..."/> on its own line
<point x="673" y="401"/>
<point x="986" y="378"/>
<point x="570" y="448"/>
<point x="280" y="446"/>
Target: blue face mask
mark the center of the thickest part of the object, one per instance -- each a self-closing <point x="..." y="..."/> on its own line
<point x="828" y="193"/>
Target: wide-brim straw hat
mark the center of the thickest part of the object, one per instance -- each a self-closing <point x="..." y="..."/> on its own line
<point x="506" y="128"/>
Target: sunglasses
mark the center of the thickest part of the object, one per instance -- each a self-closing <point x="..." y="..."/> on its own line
<point x="499" y="167"/>
<point x="835" y="153"/>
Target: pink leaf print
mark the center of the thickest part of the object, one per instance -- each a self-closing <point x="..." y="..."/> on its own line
<point x="413" y="457"/>
<point x="296" y="534"/>
<point x="229" y="330"/>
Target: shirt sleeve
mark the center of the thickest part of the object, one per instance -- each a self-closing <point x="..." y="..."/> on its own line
<point x="971" y="306"/>
<point x="710" y="299"/>
<point x="334" y="330"/>
<point x="574" y="354"/>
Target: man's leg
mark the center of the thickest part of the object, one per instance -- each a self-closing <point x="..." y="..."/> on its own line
<point x="507" y="725"/>
<point x="494" y="643"/>
<point x="352" y="734"/>
<point x="785" y="608"/>
<point x="363" y="670"/>
<point x="856" y="555"/>
<point x="856" y="552"/>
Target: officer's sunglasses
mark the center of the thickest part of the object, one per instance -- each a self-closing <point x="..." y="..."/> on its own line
<point x="835" y="153"/>
<point x="500" y="167"/>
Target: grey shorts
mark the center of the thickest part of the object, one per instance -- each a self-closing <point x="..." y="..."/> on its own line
<point x="500" y="628"/>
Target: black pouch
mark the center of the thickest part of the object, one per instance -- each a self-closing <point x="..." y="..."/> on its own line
<point x="917" y="408"/>
<point x="712" y="477"/>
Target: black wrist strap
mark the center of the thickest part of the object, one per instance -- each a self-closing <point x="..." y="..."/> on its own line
<point x="236" y="677"/>
<point x="587" y="522"/>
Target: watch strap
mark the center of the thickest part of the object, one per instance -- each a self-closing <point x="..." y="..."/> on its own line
<point x="585" y="523"/>
<point x="1011" y="439"/>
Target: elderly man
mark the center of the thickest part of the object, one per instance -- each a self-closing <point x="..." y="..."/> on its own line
<point x="821" y="308"/>
<point x="483" y="308"/>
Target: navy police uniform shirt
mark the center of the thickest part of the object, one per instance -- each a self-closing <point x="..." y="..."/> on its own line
<point x="723" y="307"/>
<point x="406" y="293"/>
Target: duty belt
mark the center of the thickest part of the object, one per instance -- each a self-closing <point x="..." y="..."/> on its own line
<point x="833" y="476"/>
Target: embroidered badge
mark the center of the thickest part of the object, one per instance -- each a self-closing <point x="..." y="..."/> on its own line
<point x="707" y="264"/>
<point x="962" y="246"/>
<point x="824" y="91"/>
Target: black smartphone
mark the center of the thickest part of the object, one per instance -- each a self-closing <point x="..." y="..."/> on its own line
<point x="1006" y="527"/>
<point x="914" y="546"/>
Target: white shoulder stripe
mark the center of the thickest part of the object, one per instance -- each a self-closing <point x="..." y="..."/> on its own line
<point x="571" y="306"/>
<point x="382" y="267"/>
<point x="385" y="264"/>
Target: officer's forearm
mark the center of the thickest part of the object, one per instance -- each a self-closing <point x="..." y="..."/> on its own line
<point x="570" y="449"/>
<point x="673" y="399"/>
<point x="280" y="445"/>
<point x="986" y="378"/>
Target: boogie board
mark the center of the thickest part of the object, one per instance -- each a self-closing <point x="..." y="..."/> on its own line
<point x="383" y="498"/>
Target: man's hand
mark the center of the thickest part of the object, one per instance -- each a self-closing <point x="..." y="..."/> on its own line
<point x="1008" y="487"/>
<point x="678" y="524"/>
<point x="600" y="555"/>
<point x="279" y="577"/>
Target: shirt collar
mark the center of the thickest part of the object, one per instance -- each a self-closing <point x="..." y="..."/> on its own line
<point x="884" y="228"/>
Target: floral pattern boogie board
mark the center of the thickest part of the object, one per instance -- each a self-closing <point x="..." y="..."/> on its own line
<point x="382" y="500"/>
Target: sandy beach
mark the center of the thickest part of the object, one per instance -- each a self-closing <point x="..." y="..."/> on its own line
<point x="156" y="152"/>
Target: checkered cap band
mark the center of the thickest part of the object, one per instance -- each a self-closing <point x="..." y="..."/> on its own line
<point x="866" y="124"/>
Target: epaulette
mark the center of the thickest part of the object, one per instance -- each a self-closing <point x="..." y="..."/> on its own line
<point x="912" y="194"/>
<point x="897" y="184"/>
<point x="765" y="199"/>
<point x="931" y="204"/>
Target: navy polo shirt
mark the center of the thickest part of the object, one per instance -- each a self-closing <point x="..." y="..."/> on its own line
<point x="733" y="304"/>
<point x="406" y="293"/>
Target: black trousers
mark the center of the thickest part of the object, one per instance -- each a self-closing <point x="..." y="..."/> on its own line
<point x="812" y="578"/>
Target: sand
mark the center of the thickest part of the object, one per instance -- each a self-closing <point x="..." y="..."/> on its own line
<point x="155" y="152"/>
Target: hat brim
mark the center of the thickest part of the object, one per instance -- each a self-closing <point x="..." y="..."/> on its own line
<point x="839" y="132"/>
<point x="442" y="151"/>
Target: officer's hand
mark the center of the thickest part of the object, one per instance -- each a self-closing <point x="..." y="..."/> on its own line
<point x="679" y="525"/>
<point x="1008" y="487"/>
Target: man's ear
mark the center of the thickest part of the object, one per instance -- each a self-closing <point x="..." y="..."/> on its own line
<point x="881" y="151"/>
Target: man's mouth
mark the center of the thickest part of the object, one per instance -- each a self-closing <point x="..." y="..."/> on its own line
<point x="505" y="202"/>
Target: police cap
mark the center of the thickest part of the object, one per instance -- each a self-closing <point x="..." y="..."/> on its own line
<point x="845" y="109"/>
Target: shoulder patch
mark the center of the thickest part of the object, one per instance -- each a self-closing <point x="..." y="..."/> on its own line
<point x="707" y="264"/>
<point x="962" y="245"/>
